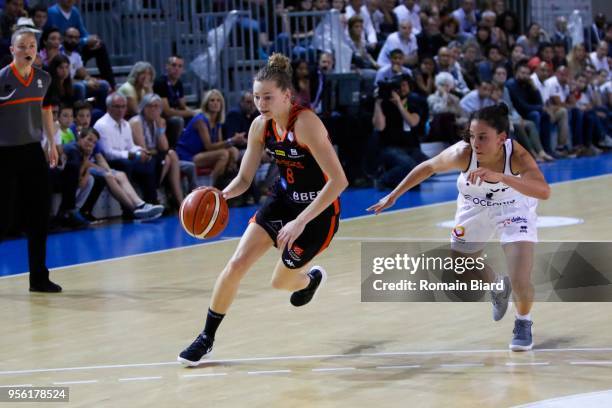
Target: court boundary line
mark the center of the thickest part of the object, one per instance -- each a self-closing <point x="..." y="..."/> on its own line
<point x="316" y="356"/>
<point x="358" y="217"/>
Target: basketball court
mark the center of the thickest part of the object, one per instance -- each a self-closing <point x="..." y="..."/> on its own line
<point x="113" y="336"/>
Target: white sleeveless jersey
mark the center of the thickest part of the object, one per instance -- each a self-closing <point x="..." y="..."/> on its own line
<point x="488" y="194"/>
<point x="490" y="208"/>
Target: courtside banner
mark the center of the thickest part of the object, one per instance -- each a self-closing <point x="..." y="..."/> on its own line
<point x="433" y="272"/>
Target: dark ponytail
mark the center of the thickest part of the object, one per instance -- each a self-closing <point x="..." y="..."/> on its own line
<point x="495" y="116"/>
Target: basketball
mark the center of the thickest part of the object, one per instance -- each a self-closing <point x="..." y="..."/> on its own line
<point x="204" y="213"/>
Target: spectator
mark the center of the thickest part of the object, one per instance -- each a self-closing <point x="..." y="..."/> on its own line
<point x="368" y="34"/>
<point x="13" y="9"/>
<point x="239" y="119"/>
<point x="302" y="84"/>
<point x="599" y="57"/>
<point x="494" y="59"/>
<point x="170" y="88"/>
<point x="562" y="34"/>
<point x="85" y="85"/>
<point x="488" y="19"/>
<point x="559" y="98"/>
<point x="587" y="102"/>
<point x="63" y="15"/>
<point x="468" y="62"/>
<point x="403" y="39"/>
<point x="424" y="77"/>
<point x="39" y="16"/>
<point x="390" y="22"/>
<point x="50" y="45"/>
<point x="466" y="16"/>
<point x="395" y="120"/>
<point x="149" y="132"/>
<point x="478" y="98"/>
<point x="81" y="154"/>
<point x="559" y="55"/>
<point x="396" y="67"/>
<point x="531" y="40"/>
<point x="429" y="41"/>
<point x="202" y="140"/>
<point x="361" y="59"/>
<point x="483" y="36"/>
<point x="508" y="22"/>
<point x="324" y="67"/>
<point x="64" y="134"/>
<point x="139" y="83"/>
<point x="578" y="59"/>
<point x="446" y="63"/>
<point x="545" y="54"/>
<point x="373" y="8"/>
<point x="526" y="131"/>
<point x="596" y="32"/>
<point x="117" y="145"/>
<point x="539" y="76"/>
<point x="61" y="90"/>
<point x="528" y="102"/>
<point x="446" y="113"/>
<point x="409" y="10"/>
<point x="82" y="116"/>
<point x="516" y="56"/>
<point x="449" y="30"/>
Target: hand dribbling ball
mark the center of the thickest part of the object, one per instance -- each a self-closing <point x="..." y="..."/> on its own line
<point x="204" y="213"/>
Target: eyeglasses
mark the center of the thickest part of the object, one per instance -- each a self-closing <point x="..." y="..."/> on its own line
<point x="119" y="106"/>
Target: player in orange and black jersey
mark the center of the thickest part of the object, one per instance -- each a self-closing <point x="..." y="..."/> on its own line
<point x="300" y="218"/>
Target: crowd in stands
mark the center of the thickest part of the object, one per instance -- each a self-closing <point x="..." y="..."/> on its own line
<point x="423" y="68"/>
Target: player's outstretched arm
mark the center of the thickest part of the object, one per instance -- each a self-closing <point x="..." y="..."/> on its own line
<point x="453" y="158"/>
<point x="250" y="161"/>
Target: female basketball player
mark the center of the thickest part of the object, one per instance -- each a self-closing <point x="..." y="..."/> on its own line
<point x="498" y="187"/>
<point x="301" y="217"/>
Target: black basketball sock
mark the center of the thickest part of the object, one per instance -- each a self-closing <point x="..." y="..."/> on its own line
<point x="213" y="320"/>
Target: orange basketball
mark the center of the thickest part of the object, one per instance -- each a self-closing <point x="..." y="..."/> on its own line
<point x="204" y="213"/>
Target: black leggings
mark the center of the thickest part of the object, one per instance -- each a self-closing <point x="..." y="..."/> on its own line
<point x="24" y="183"/>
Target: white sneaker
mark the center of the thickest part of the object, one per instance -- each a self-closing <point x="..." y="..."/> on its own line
<point x="148" y="211"/>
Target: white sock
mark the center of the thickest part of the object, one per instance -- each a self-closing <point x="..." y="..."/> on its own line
<point x="524" y="317"/>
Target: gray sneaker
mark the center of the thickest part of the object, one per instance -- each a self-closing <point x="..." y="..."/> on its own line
<point x="522" y="339"/>
<point x="148" y="211"/>
<point x="500" y="300"/>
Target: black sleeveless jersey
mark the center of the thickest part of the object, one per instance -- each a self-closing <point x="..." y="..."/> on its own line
<point x="301" y="178"/>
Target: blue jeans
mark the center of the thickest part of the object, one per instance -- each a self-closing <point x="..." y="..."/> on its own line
<point x="542" y="122"/>
<point x="398" y="162"/>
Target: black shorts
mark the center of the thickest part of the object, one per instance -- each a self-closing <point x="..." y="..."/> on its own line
<point x="276" y="212"/>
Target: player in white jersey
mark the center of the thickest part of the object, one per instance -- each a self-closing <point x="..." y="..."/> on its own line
<point x="499" y="186"/>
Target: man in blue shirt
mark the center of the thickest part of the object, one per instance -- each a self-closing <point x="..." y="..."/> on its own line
<point x="64" y="15"/>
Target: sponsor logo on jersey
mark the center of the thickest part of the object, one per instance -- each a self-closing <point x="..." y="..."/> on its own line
<point x="279" y="152"/>
<point x="486" y="203"/>
<point x="6" y="97"/>
<point x="515" y="220"/>
<point x="289" y="163"/>
<point x="290" y="136"/>
<point x="458" y="231"/>
<point x="304" y="196"/>
<point x="39" y="82"/>
<point x="523" y="229"/>
<point x="294" y="152"/>
<point x="289" y="262"/>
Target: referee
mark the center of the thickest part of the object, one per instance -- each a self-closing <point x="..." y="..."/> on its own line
<point x="24" y="183"/>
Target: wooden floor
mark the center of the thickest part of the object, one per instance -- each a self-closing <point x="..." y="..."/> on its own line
<point x="114" y="334"/>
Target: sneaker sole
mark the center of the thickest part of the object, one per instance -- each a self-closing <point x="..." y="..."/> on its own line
<point x="189" y="363"/>
<point x="516" y="347"/>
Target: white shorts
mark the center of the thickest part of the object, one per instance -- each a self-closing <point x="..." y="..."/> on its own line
<point x="475" y="225"/>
